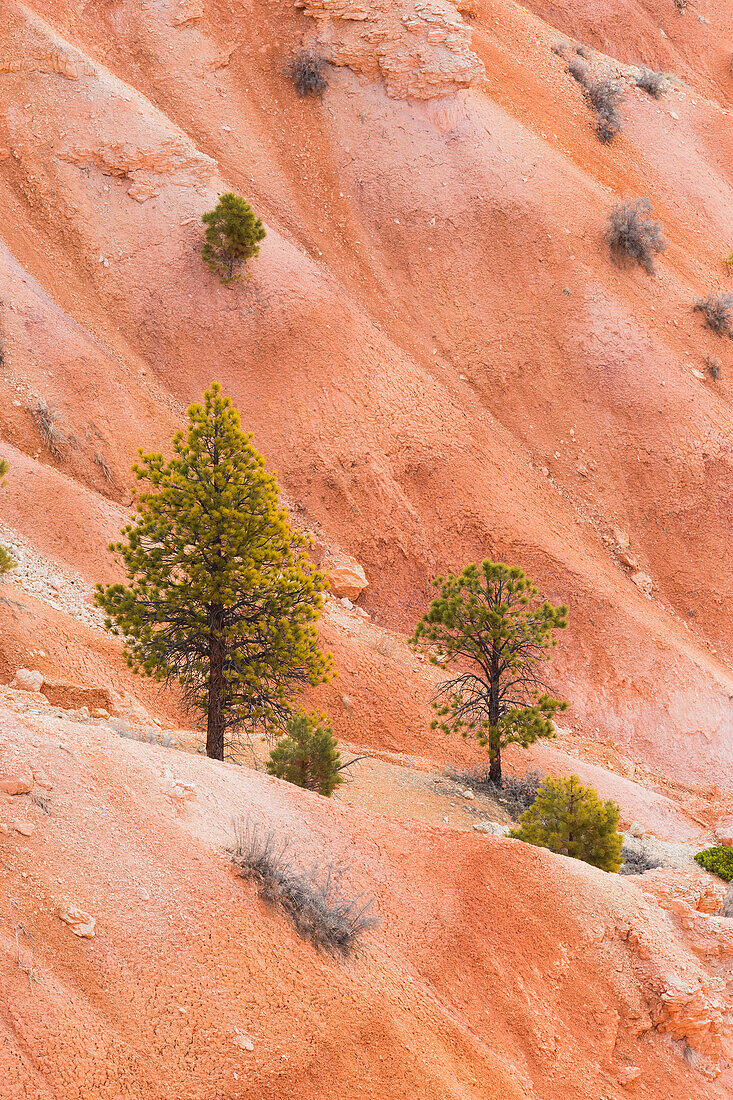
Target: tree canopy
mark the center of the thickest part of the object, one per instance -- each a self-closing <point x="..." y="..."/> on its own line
<point x="488" y="622"/>
<point x="221" y="596"/>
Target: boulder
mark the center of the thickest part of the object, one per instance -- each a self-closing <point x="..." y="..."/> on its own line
<point x="627" y="1076"/>
<point x="628" y="559"/>
<point x="492" y="828"/>
<point x="80" y="923"/>
<point x="68" y="696"/>
<point x="643" y="581"/>
<point x="19" y="780"/>
<point x="637" y="831"/>
<point x="27" y="680"/>
<point x="346" y="578"/>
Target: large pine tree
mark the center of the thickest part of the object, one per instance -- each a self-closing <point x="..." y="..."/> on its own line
<point x="488" y="623"/>
<point x="221" y="596"/>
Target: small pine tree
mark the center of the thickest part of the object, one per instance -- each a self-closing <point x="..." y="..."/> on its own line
<point x="7" y="561"/>
<point x="570" y="819"/>
<point x="485" y="621"/>
<point x="222" y="597"/>
<point x="307" y="756"/>
<point x="233" y="234"/>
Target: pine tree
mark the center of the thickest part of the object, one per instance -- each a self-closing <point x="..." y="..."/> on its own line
<point x="570" y="819"/>
<point x="232" y="236"/>
<point x="221" y="596"/>
<point x="487" y="620"/>
<point x="307" y="756"/>
<point x="7" y="561"/>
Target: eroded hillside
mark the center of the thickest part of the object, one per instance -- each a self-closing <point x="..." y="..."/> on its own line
<point x="437" y="354"/>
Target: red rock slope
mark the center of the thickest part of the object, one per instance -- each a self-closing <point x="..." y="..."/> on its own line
<point x="500" y="972"/>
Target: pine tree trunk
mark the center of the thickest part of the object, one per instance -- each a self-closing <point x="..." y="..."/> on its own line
<point x="494" y="746"/>
<point x="215" y="716"/>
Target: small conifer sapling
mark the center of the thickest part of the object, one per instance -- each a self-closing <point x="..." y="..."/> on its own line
<point x="307" y="756"/>
<point x="570" y="819"/>
<point x="233" y="233"/>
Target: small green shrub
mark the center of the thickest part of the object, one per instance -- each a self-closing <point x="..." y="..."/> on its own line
<point x="717" y="860"/>
<point x="570" y="819"/>
<point x="233" y="234"/>
<point x="307" y="756"/>
<point x="7" y="561"/>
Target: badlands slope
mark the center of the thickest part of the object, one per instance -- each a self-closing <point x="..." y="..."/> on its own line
<point x="440" y="360"/>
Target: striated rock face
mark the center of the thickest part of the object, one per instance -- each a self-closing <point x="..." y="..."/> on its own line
<point x="421" y="50"/>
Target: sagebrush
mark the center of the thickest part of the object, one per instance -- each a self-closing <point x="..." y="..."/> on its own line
<point x="44" y="417"/>
<point x="312" y="898"/>
<point x="717" y="310"/>
<point x="637" y="859"/>
<point x="654" y="84"/>
<point x="515" y="792"/>
<point x="633" y="234"/>
<point x="604" y="96"/>
<point x="306" y="72"/>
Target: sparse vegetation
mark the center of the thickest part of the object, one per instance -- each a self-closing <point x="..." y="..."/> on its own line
<point x="307" y="755"/>
<point x="306" y="72"/>
<point x="637" y="859"/>
<point x="559" y="48"/>
<point x="712" y="367"/>
<point x="571" y="820"/>
<point x="681" y="6"/>
<point x="516" y="793"/>
<point x="44" y="418"/>
<point x="717" y="309"/>
<point x="489" y="621"/>
<point x="604" y="97"/>
<point x="7" y="561"/>
<point x="718" y="860"/>
<point x="654" y="84"/>
<point x="41" y="799"/>
<point x="579" y="71"/>
<point x="221" y="596"/>
<point x="728" y="261"/>
<point x="232" y="235"/>
<point x="633" y="235"/>
<point x="106" y="472"/>
<point x="311" y="899"/>
<point x="582" y="50"/>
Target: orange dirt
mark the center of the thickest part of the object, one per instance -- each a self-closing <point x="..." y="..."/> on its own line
<point x="439" y="358"/>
